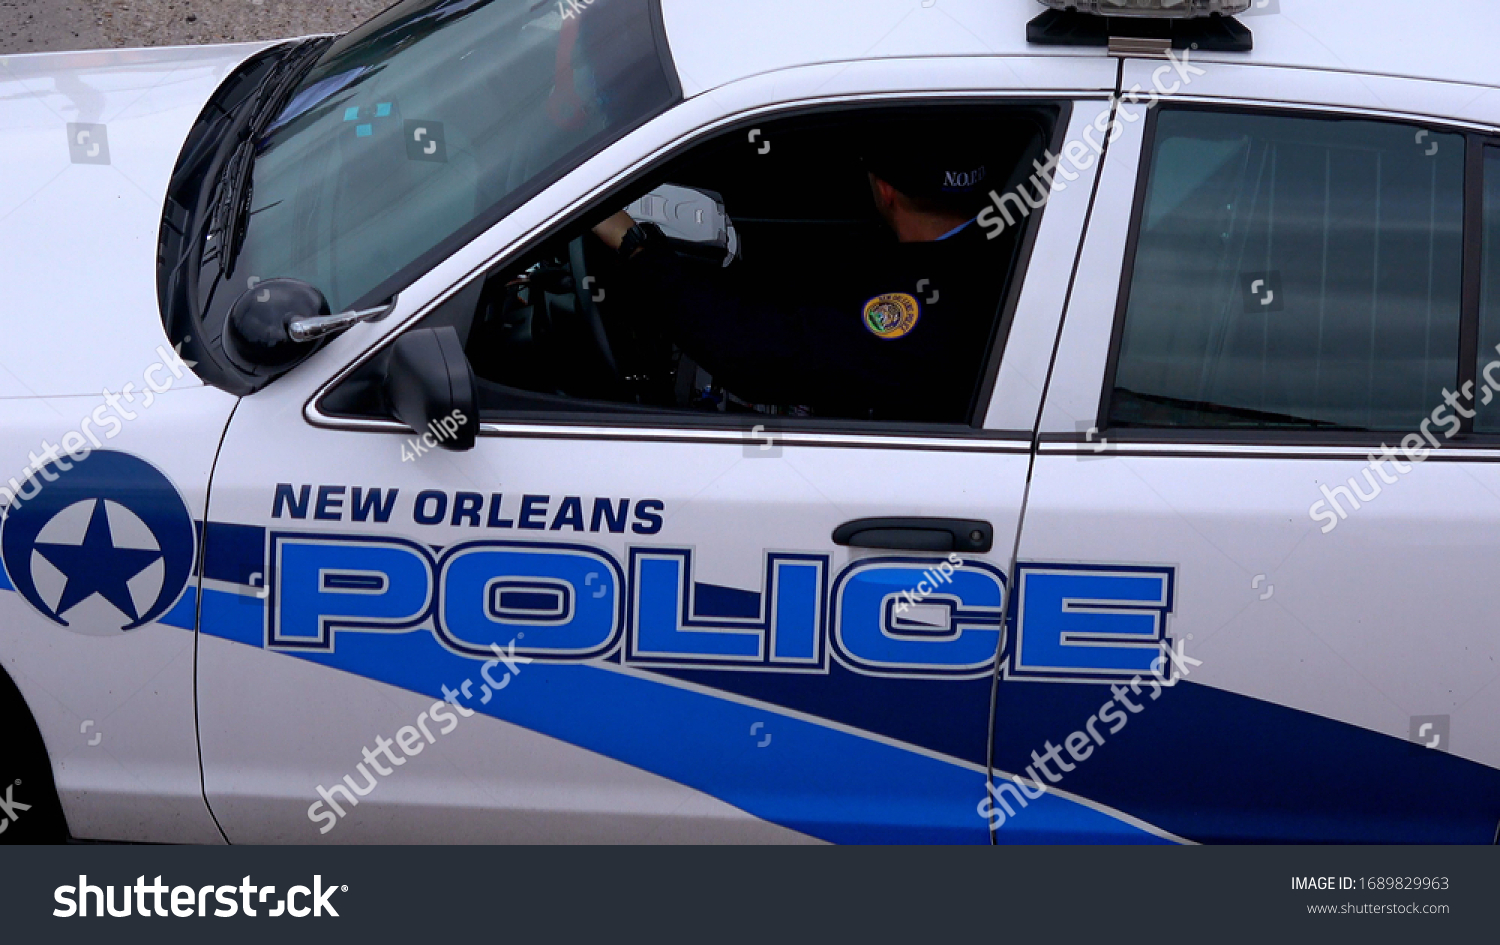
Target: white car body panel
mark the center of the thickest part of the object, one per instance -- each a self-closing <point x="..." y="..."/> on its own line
<point x="1447" y="42"/>
<point x="715" y="44"/>
<point x="487" y="782"/>
<point x="1314" y="642"/>
<point x="1421" y="99"/>
<point x="78" y="241"/>
<point x="131" y="772"/>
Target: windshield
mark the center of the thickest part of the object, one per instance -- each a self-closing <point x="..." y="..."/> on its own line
<point x="426" y="125"/>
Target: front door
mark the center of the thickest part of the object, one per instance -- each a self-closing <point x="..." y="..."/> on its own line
<point x="622" y="625"/>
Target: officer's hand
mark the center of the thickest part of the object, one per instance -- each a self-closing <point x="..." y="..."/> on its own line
<point x="612" y="231"/>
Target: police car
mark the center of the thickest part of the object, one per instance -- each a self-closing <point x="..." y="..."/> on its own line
<point x="347" y="500"/>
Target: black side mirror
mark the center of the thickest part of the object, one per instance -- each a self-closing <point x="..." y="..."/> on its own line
<point x="277" y="323"/>
<point x="431" y="388"/>
<point x="257" y="333"/>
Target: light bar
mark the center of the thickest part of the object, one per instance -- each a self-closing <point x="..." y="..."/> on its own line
<point x="1140" y="26"/>
<point x="1153" y="8"/>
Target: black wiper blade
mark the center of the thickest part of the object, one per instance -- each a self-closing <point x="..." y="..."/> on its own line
<point x="231" y="208"/>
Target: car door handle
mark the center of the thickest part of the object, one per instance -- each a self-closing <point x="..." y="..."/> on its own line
<point x="917" y="534"/>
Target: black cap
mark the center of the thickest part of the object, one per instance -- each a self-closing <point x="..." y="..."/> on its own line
<point x="929" y="163"/>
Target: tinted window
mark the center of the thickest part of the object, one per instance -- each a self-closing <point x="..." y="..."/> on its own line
<point x="1293" y="273"/>
<point x="432" y="118"/>
<point x="1488" y="420"/>
<point x="780" y="287"/>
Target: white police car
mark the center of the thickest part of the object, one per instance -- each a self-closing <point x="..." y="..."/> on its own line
<point x="479" y="559"/>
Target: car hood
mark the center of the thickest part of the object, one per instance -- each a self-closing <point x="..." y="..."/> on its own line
<point x="88" y="141"/>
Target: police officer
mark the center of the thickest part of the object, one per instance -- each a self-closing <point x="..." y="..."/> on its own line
<point x="899" y="335"/>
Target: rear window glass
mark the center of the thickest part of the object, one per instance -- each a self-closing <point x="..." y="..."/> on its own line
<point x="1291" y="273"/>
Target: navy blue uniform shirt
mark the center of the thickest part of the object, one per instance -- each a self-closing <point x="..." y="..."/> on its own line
<point x="890" y="331"/>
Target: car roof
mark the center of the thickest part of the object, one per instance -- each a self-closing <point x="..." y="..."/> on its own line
<point x="714" y="43"/>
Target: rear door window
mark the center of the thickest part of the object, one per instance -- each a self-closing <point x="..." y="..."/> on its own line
<point x="1294" y="272"/>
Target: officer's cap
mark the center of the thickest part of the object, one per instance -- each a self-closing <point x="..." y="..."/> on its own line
<point x="930" y="163"/>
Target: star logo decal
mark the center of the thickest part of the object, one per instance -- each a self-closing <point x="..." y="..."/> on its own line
<point x="99" y="564"/>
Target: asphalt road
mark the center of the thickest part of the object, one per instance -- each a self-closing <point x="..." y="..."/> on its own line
<point x="47" y="25"/>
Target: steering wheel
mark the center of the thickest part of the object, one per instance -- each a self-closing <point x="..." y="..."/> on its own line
<point x="588" y="309"/>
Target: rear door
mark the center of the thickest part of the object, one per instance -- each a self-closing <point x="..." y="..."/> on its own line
<point x="1260" y="451"/>
<point x="644" y="629"/>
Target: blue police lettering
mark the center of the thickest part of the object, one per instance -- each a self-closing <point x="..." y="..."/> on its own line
<point x="367" y="503"/>
<point x="564" y="599"/>
<point x="364" y="504"/>
<point x="430" y="507"/>
<point x="327" y="583"/>
<point x="466" y="506"/>
<point x="671" y="623"/>
<point x="495" y="510"/>
<point x="572" y="602"/>
<point x="958" y="637"/>
<point x="1089" y="622"/>
<point x="568" y="602"/>
<point x="330" y="503"/>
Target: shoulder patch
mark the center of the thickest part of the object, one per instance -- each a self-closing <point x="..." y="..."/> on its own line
<point x="892" y="315"/>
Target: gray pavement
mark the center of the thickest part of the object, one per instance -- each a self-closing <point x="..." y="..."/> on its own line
<point x="47" y="25"/>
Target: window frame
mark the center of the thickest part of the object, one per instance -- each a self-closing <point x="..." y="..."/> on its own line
<point x="1476" y="139"/>
<point x="711" y="427"/>
<point x="1474" y="232"/>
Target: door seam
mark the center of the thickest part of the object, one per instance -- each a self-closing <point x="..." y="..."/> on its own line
<point x="208" y="496"/>
<point x="1005" y="623"/>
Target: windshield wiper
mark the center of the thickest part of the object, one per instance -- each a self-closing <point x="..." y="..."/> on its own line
<point x="231" y="207"/>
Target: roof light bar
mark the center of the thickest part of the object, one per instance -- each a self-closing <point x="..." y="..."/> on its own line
<point x="1152" y="8"/>
<point x="1134" y="26"/>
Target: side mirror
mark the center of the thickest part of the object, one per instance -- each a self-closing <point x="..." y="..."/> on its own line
<point x="430" y="387"/>
<point x="276" y="323"/>
<point x="257" y="332"/>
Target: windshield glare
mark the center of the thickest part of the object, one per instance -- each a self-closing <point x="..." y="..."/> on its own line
<point x="433" y="121"/>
